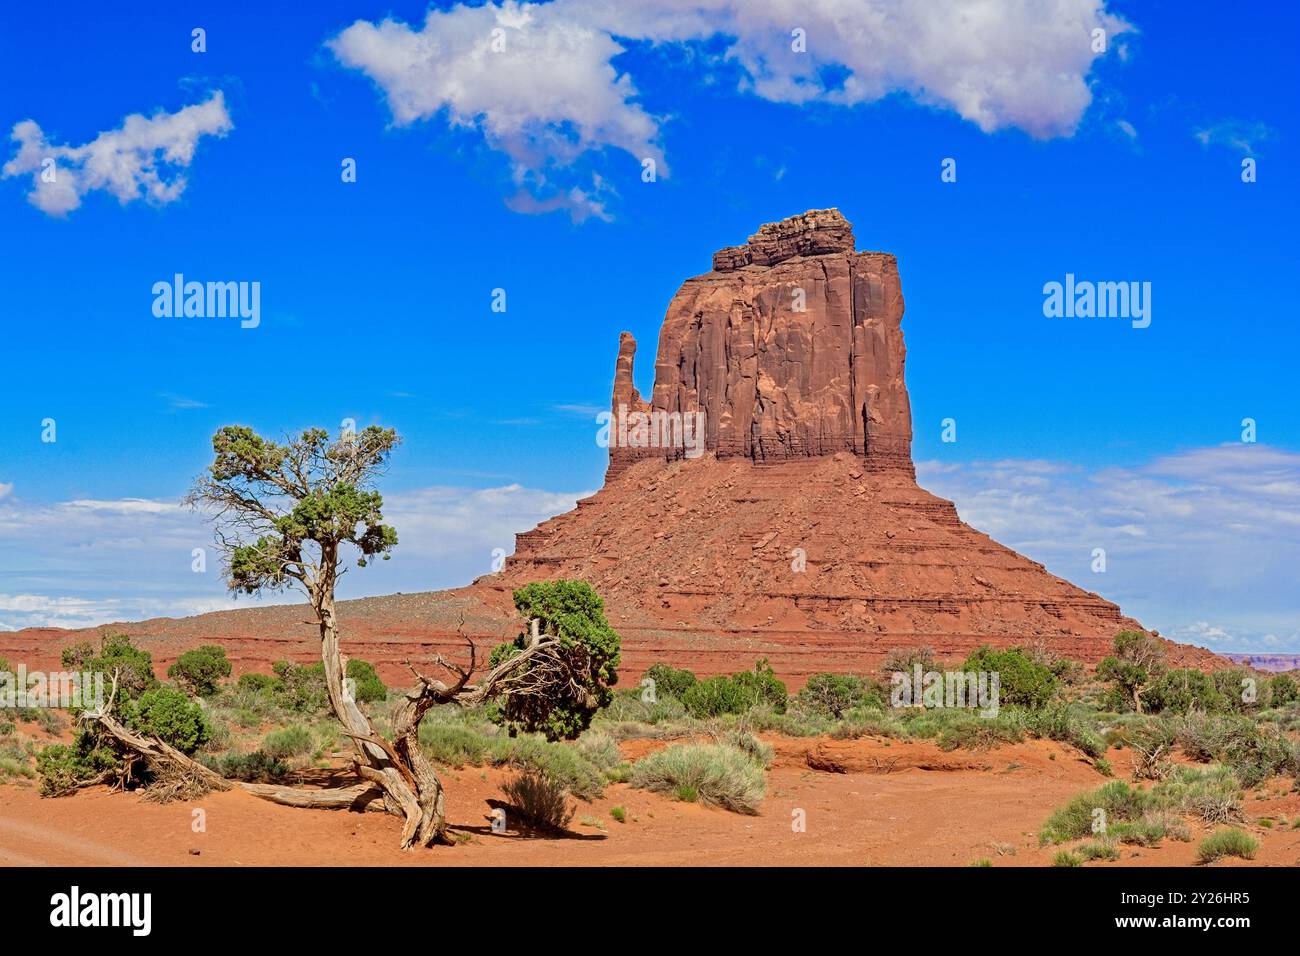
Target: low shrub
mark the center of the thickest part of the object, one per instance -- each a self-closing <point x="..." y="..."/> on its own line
<point x="1283" y="690"/>
<point x="756" y="750"/>
<point x="980" y="733"/>
<point x="454" y="745"/>
<point x="301" y="689"/>
<point x="1117" y="800"/>
<point x="627" y="706"/>
<point x="1233" y="684"/>
<point x="620" y="774"/>
<point x="368" y="688"/>
<point x="64" y="767"/>
<point x="711" y="773"/>
<point x="1211" y="793"/>
<point x="599" y="749"/>
<point x="288" y="742"/>
<point x="903" y="660"/>
<point x="541" y="801"/>
<point x="795" y="722"/>
<point x="1057" y="720"/>
<point x="1098" y="850"/>
<point x="867" y="722"/>
<point x="1228" y="842"/>
<point x="1182" y="691"/>
<point x="13" y="768"/>
<point x="560" y="763"/>
<point x="257" y="683"/>
<point x="1147" y="831"/>
<point x="255" y="767"/>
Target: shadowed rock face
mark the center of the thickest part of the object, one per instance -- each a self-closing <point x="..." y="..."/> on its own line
<point x="792" y="347"/>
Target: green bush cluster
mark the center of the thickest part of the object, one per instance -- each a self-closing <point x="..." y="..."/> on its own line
<point x="300" y="688"/>
<point x="171" y="716"/>
<point x="201" y="670"/>
<point x="670" y="681"/>
<point x="1283" y="690"/>
<point x="117" y="654"/>
<point x="1023" y="680"/>
<point x="142" y="703"/>
<point x="832" y="695"/>
<point x="736" y="694"/>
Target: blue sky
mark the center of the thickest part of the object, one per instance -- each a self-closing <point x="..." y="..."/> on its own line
<point x="522" y="169"/>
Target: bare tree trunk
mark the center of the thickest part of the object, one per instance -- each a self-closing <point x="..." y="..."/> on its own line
<point x="410" y="784"/>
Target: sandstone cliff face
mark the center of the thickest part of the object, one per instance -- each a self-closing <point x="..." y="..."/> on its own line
<point x="800" y="535"/>
<point x="792" y="347"/>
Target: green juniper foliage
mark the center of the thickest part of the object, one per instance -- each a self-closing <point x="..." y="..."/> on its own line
<point x="1138" y="659"/>
<point x="670" y="681"/>
<point x="201" y="670"/>
<point x="738" y="693"/>
<point x="589" y="648"/>
<point x="1021" y="679"/>
<point x="322" y="481"/>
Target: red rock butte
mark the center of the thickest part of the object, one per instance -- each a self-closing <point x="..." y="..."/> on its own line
<point x="799" y="534"/>
<point x="794" y="530"/>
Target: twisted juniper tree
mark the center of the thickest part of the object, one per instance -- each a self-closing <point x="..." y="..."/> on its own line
<point x="289" y="515"/>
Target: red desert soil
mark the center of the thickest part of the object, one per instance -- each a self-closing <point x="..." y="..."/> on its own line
<point x="970" y="806"/>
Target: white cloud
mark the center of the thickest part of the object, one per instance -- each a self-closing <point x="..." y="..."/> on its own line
<point x="1245" y="137"/>
<point x="581" y="409"/>
<point x="129" y="162"/>
<point x="42" y="610"/>
<point x="180" y="402"/>
<point x="87" y="561"/>
<point x="546" y="95"/>
<point x="1207" y="535"/>
<point x="549" y="94"/>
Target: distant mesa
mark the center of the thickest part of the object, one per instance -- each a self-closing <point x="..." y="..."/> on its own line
<point x="1275" y="663"/>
